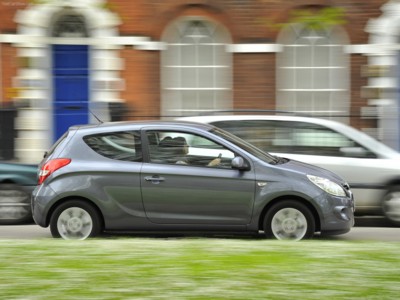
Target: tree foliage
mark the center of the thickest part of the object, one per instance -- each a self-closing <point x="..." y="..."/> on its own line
<point x="317" y="20"/>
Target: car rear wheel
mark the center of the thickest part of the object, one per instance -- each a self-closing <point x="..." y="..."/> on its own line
<point x="14" y="205"/>
<point x="289" y="220"/>
<point x="391" y="205"/>
<point x="75" y="220"/>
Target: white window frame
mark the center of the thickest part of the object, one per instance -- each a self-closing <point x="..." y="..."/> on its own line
<point x="183" y="94"/>
<point x="325" y="92"/>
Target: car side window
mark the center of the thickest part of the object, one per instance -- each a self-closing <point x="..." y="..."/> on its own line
<point x="257" y="132"/>
<point x="168" y="147"/>
<point x="313" y="139"/>
<point x="296" y="138"/>
<point x="124" y="145"/>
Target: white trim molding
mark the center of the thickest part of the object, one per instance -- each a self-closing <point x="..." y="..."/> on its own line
<point x="384" y="38"/>
<point x="254" y="48"/>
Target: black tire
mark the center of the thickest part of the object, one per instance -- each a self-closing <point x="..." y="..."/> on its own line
<point x="15" y="205"/>
<point x="391" y="205"/>
<point x="289" y="220"/>
<point x="75" y="219"/>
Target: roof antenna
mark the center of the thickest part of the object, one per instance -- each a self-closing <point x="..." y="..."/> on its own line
<point x="100" y="121"/>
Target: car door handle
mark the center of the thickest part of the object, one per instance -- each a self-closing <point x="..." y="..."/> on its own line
<point x="154" y="179"/>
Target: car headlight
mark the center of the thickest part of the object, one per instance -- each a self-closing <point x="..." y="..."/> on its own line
<point x="328" y="186"/>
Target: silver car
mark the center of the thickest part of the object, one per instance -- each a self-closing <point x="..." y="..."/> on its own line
<point x="371" y="168"/>
<point x="180" y="176"/>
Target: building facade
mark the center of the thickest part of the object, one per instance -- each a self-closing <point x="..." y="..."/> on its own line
<point x="66" y="62"/>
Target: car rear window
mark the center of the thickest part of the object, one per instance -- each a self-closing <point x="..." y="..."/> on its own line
<point x="123" y="145"/>
<point x="56" y="144"/>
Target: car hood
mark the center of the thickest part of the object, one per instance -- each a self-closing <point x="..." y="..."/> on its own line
<point x="307" y="169"/>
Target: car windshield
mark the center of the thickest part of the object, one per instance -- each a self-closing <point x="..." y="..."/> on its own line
<point x="264" y="156"/>
<point x="369" y="142"/>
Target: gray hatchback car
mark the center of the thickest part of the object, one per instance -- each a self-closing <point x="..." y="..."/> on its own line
<point x="181" y="176"/>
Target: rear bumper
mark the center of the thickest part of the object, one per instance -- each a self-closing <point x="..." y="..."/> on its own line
<point x="39" y="205"/>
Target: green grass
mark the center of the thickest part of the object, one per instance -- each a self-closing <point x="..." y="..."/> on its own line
<point x="198" y="268"/>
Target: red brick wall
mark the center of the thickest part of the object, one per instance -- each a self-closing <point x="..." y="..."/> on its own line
<point x="8" y="9"/>
<point x="142" y="83"/>
<point x="358" y="13"/>
<point x="9" y="70"/>
<point x="254" y="81"/>
<point x="248" y="21"/>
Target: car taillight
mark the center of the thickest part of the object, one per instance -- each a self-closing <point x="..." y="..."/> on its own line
<point x="51" y="166"/>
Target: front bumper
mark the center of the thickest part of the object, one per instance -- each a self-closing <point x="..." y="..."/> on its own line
<point x="340" y="218"/>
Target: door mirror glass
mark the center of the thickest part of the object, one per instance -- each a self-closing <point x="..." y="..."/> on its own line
<point x="240" y="164"/>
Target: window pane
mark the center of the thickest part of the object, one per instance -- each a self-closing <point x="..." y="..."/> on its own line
<point x="303" y="78"/>
<point x="206" y="100"/>
<point x="206" y="55"/>
<point x="188" y="55"/>
<point x="322" y="56"/>
<point x="173" y="100"/>
<point x="322" y="78"/>
<point x="339" y="78"/>
<point x="116" y="145"/>
<point x="287" y="58"/>
<point x="321" y="101"/>
<point x="189" y="100"/>
<point x="304" y="101"/>
<point x="172" y="55"/>
<point x="206" y="77"/>
<point x="286" y="78"/>
<point x="222" y="100"/>
<point x="286" y="100"/>
<point x="338" y="99"/>
<point x="222" y="78"/>
<point x="302" y="56"/>
<point x="172" y="77"/>
<point x="189" y="78"/>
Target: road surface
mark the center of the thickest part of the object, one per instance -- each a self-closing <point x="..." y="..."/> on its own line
<point x="375" y="229"/>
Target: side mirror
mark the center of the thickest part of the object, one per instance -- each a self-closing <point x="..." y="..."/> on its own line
<point x="357" y="152"/>
<point x="239" y="163"/>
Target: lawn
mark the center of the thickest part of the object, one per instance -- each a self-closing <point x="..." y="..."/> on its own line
<point x="198" y="268"/>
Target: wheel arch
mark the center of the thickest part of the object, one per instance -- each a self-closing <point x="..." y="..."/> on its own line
<point x="8" y="181"/>
<point x="70" y="198"/>
<point x="391" y="211"/>
<point x="392" y="183"/>
<point x="309" y="205"/>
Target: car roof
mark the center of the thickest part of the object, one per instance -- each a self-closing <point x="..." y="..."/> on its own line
<point x="138" y="125"/>
<point x="214" y="118"/>
<point x="319" y="121"/>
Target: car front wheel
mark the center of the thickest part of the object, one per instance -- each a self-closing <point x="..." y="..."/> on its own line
<point x="75" y="220"/>
<point x="289" y="220"/>
<point x="391" y="205"/>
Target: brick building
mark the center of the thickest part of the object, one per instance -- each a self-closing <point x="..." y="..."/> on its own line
<point x="62" y="62"/>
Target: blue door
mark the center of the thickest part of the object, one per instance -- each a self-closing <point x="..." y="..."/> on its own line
<point x="71" y="87"/>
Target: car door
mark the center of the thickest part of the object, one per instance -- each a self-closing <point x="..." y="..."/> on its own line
<point x="194" y="191"/>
